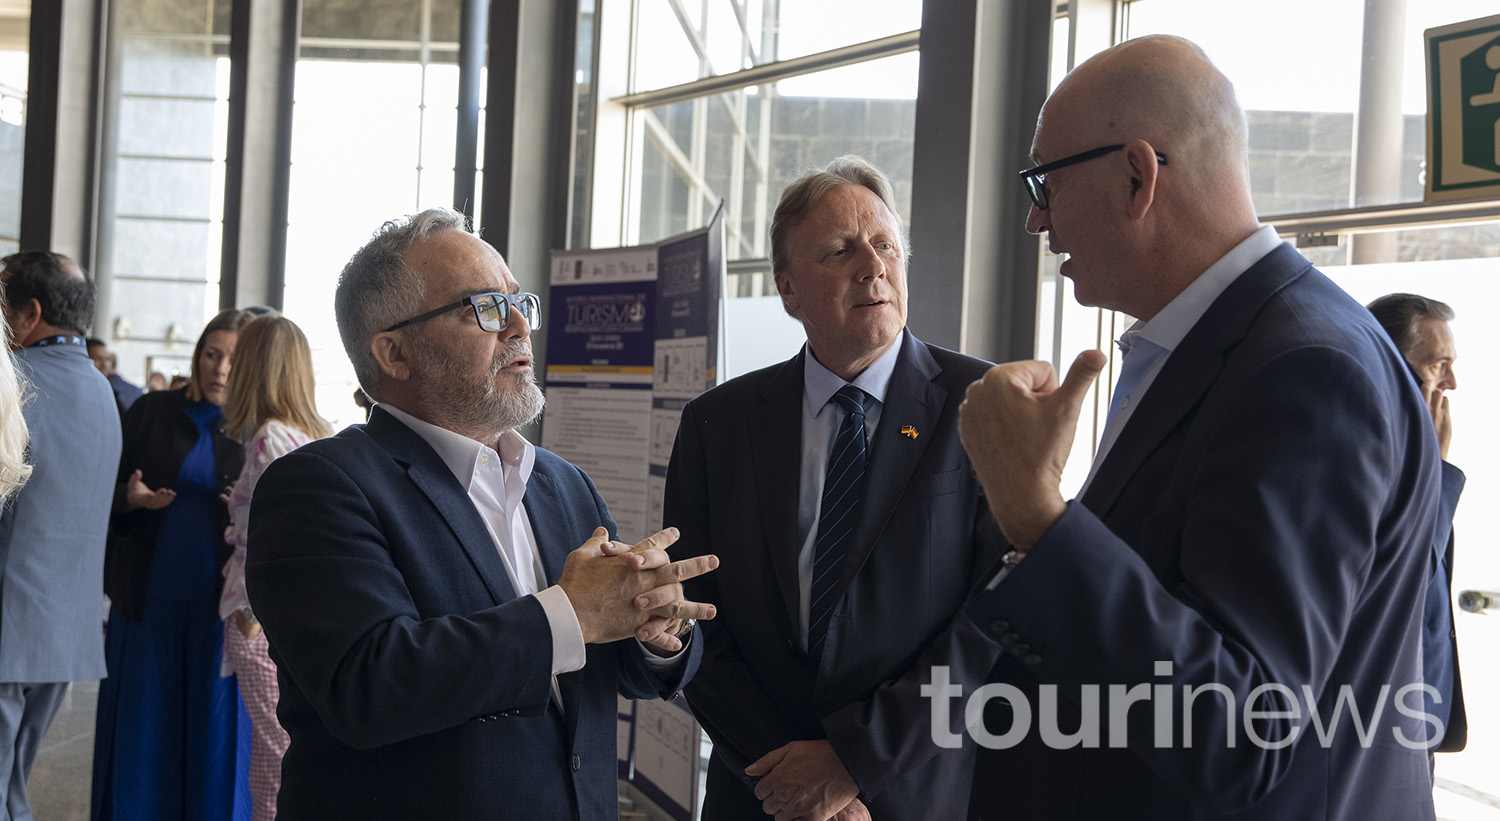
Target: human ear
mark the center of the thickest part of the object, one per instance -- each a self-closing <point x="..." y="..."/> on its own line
<point x="788" y="293"/>
<point x="1141" y="159"/>
<point x="391" y="355"/>
<point x="24" y="319"/>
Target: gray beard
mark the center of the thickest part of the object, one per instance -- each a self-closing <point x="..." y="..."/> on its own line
<point x="483" y="411"/>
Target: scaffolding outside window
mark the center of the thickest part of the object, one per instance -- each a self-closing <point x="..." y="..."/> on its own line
<point x="725" y="100"/>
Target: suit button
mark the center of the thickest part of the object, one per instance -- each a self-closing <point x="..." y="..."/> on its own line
<point x="999" y="626"/>
<point x="577" y="762"/>
<point x="1033" y="661"/>
<point x="1020" y="650"/>
<point x="1009" y="639"/>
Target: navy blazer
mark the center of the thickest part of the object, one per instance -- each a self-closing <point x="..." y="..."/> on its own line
<point x="1440" y="600"/>
<point x="924" y="532"/>
<point x="414" y="682"/>
<point x="1265" y="517"/>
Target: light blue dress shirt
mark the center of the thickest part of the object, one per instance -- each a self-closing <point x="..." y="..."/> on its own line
<point x="821" y="419"/>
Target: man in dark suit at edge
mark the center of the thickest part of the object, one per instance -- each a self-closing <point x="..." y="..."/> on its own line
<point x="442" y="653"/>
<point x="851" y="528"/>
<point x="1419" y="328"/>
<point x="1259" y="515"/>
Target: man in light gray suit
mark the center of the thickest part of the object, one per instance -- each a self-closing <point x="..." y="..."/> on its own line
<point x="52" y="532"/>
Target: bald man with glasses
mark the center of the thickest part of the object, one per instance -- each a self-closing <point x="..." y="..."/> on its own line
<point x="445" y="647"/>
<point x="1249" y="554"/>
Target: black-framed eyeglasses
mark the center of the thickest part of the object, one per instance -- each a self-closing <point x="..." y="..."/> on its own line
<point x="1036" y="178"/>
<point x="491" y="311"/>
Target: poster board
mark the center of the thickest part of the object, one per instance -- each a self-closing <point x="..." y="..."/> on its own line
<point x="632" y="335"/>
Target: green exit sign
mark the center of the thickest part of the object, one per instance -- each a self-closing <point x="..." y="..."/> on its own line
<point x="1463" y="110"/>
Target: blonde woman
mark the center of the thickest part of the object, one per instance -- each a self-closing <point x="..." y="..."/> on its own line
<point x="13" y="433"/>
<point x="270" y="408"/>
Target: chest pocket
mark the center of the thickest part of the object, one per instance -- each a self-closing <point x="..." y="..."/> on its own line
<point x="937" y="484"/>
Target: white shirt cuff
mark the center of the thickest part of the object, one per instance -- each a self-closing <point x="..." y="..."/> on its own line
<point x="567" y="635"/>
<point x="663" y="664"/>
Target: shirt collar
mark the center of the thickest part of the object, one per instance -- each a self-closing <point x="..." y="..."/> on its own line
<point x="820" y="384"/>
<point x="462" y="455"/>
<point x="1173" y="322"/>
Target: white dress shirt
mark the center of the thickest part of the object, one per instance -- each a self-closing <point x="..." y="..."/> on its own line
<point x="1167" y="329"/>
<point x="496" y="483"/>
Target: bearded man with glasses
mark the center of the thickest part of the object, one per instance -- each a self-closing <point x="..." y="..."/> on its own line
<point x="442" y="648"/>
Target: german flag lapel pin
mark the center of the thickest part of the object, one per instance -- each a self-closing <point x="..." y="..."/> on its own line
<point x="909" y="431"/>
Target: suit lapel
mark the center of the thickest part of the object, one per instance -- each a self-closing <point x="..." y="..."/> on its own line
<point x="912" y="399"/>
<point x="1190" y="371"/>
<point x="553" y="542"/>
<point x="556" y="536"/>
<point x="429" y="473"/>
<point x="776" y="454"/>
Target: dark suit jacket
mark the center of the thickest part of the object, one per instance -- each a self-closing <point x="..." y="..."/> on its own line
<point x="1440" y="595"/>
<point x="1265" y="517"/>
<point x="125" y="392"/>
<point x="732" y="489"/>
<point x="158" y="436"/>
<point x="414" y="682"/>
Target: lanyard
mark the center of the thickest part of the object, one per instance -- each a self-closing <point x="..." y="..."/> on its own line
<point x="61" y="339"/>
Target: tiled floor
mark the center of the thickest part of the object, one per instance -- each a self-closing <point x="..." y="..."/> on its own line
<point x="60" y="778"/>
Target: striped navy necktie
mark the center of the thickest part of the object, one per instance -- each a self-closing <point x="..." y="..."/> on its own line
<point x="842" y="488"/>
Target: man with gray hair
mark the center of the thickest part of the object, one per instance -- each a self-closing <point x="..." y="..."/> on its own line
<point x="1419" y="327"/>
<point x="835" y="491"/>
<point x="443" y="650"/>
<point x="52" y="533"/>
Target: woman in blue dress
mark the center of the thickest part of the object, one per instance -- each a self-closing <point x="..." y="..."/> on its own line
<point x="172" y="737"/>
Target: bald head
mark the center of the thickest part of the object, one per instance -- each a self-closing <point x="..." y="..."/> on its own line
<point x="1141" y="223"/>
<point x="1166" y="91"/>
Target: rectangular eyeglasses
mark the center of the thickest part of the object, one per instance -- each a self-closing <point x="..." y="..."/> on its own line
<point x="1036" y="178"/>
<point x="491" y="311"/>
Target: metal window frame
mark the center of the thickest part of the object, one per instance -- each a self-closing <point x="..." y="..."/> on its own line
<point x="624" y="115"/>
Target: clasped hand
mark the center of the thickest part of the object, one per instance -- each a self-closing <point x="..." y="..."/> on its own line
<point x="806" y="781"/>
<point x="620" y="590"/>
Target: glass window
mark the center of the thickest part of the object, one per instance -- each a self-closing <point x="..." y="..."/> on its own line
<point x="169" y="178"/>
<point x="808" y="28"/>
<point x="1302" y="113"/>
<point x="671" y="59"/>
<point x="14" y="59"/>
<point x="373" y="139"/>
<point x="744" y="146"/>
<point x="583" y="131"/>
<point x="683" y="42"/>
